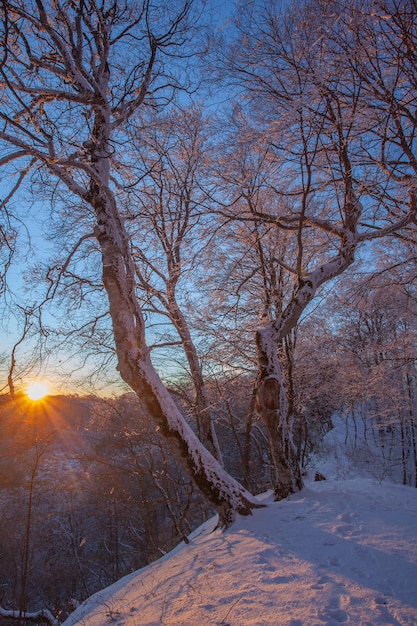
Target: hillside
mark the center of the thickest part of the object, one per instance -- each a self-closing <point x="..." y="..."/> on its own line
<point x="343" y="551"/>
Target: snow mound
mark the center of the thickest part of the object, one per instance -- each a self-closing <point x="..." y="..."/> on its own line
<point x="339" y="552"/>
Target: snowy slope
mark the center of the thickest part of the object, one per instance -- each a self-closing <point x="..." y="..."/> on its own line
<point x="340" y="552"/>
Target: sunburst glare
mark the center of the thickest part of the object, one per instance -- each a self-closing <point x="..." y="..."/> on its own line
<point x="37" y="390"/>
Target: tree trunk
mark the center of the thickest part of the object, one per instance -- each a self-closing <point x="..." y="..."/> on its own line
<point x="137" y="371"/>
<point x="205" y="424"/>
<point x="273" y="411"/>
<point x="272" y="395"/>
<point x="135" y="366"/>
<point x="412" y="423"/>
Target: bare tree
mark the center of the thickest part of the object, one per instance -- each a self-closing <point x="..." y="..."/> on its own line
<point x="377" y="333"/>
<point x="329" y="84"/>
<point x="168" y="239"/>
<point x="74" y="77"/>
<point x="249" y="278"/>
<point x="328" y="87"/>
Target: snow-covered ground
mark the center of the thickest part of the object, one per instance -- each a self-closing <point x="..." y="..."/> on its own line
<point x="343" y="551"/>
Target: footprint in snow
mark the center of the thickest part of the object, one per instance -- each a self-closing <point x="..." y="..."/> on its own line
<point x="363" y="553"/>
<point x="344" y="530"/>
<point x="323" y="580"/>
<point x="330" y="616"/>
<point x="380" y="600"/>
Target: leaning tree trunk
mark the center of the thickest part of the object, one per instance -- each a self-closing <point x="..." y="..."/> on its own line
<point x="133" y="355"/>
<point x="136" y="369"/>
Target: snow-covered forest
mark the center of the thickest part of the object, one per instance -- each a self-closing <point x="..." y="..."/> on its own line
<point x="209" y="210"/>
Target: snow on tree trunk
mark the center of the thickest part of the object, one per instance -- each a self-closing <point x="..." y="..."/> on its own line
<point x="29" y="616"/>
<point x="272" y="395"/>
<point x="136" y="369"/>
<point x="273" y="410"/>
<point x="134" y="362"/>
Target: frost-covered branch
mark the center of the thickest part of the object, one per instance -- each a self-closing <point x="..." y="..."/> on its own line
<point x="31" y="616"/>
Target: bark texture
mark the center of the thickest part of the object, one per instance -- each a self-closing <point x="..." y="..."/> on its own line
<point x="273" y="410"/>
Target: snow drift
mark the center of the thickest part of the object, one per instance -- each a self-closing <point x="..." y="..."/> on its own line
<point x="340" y="552"/>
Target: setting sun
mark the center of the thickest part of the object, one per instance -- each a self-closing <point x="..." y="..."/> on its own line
<point x="37" y="390"/>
